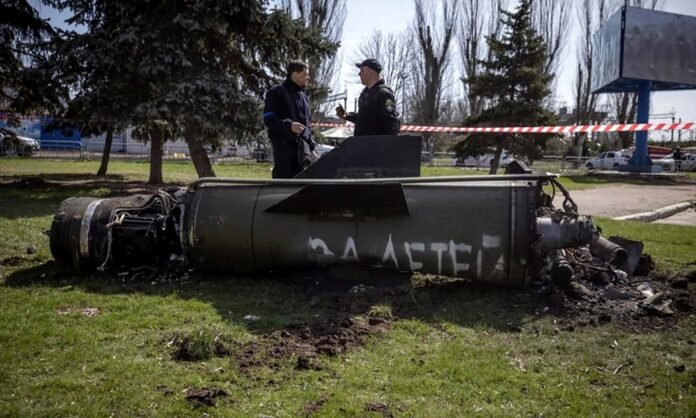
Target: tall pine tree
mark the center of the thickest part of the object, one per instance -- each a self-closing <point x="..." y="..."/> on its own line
<point x="514" y="82"/>
<point x="195" y="69"/>
<point x="26" y="86"/>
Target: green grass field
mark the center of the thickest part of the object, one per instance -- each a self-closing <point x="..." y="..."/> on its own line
<point x="98" y="346"/>
<point x="184" y="172"/>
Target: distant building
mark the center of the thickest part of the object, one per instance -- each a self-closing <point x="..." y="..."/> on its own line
<point x="124" y="143"/>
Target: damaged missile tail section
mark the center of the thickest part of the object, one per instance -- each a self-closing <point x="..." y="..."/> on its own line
<point x="497" y="229"/>
<point x="90" y="234"/>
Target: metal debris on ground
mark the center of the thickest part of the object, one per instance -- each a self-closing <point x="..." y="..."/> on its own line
<point x="610" y="284"/>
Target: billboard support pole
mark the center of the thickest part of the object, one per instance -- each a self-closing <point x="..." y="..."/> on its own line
<point x="640" y="156"/>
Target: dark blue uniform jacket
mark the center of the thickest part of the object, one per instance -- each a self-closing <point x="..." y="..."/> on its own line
<point x="377" y="113"/>
<point x="278" y="118"/>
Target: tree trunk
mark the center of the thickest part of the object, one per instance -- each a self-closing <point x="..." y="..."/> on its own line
<point x="106" y="153"/>
<point x="626" y="113"/>
<point x="199" y="156"/>
<point x="156" y="143"/>
<point x="580" y="144"/>
<point x="496" y="158"/>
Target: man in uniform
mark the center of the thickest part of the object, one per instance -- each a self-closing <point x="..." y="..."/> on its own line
<point x="377" y="113"/>
<point x="286" y="114"/>
<point x="677" y="156"/>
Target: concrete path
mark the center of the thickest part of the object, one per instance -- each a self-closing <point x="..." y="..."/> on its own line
<point x="627" y="199"/>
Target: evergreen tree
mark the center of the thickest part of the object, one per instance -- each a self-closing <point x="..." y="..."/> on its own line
<point x="25" y="84"/>
<point x="515" y="84"/>
<point x="196" y="69"/>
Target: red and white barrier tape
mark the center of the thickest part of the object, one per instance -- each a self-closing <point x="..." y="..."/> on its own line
<point x="615" y="127"/>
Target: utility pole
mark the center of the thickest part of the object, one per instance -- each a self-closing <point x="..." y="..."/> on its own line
<point x="679" y="134"/>
<point x="671" y="140"/>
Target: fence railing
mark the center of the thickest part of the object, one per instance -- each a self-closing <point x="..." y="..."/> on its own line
<point x="93" y="150"/>
<point x="548" y="163"/>
<point x="71" y="150"/>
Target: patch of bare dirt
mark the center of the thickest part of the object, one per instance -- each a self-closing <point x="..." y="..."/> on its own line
<point x="307" y="342"/>
<point x="312" y="408"/>
<point x="12" y="261"/>
<point x="166" y="391"/>
<point x="204" y="396"/>
<point x="598" y="294"/>
<point x="379" y="407"/>
<point x="197" y="347"/>
<point x="595" y="297"/>
<point x="30" y="183"/>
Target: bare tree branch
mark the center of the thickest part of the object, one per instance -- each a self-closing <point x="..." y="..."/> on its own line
<point x="433" y="30"/>
<point x="473" y="48"/>
<point x="392" y="51"/>
<point x="431" y="62"/>
<point x="590" y="13"/>
<point x="551" y="20"/>
<point x="327" y="16"/>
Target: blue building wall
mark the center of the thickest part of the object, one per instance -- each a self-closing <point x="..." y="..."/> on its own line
<point x="59" y="139"/>
<point x="36" y="128"/>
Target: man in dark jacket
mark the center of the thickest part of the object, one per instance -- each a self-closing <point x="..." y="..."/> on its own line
<point x="677" y="156"/>
<point x="377" y="113"/>
<point x="286" y="114"/>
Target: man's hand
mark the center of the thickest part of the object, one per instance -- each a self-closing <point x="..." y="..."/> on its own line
<point x="297" y="128"/>
<point x="341" y="112"/>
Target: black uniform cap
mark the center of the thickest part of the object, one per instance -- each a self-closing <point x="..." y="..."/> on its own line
<point x="370" y="63"/>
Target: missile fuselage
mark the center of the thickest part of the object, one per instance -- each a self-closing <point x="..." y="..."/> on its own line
<point x="485" y="228"/>
<point x="482" y="230"/>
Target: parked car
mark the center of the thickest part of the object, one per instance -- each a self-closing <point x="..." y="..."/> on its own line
<point x="688" y="162"/>
<point x="12" y="144"/>
<point x="608" y="160"/>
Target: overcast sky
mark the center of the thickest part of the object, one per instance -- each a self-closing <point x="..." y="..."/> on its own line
<point x="364" y="16"/>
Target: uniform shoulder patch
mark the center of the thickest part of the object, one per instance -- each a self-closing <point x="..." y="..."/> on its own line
<point x="389" y="105"/>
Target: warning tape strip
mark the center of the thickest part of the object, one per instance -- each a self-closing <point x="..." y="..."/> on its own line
<point x="616" y="127"/>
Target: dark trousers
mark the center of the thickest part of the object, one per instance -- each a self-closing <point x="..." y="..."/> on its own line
<point x="285" y="164"/>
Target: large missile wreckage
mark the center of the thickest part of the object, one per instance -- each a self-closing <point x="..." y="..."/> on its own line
<point x="362" y="203"/>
